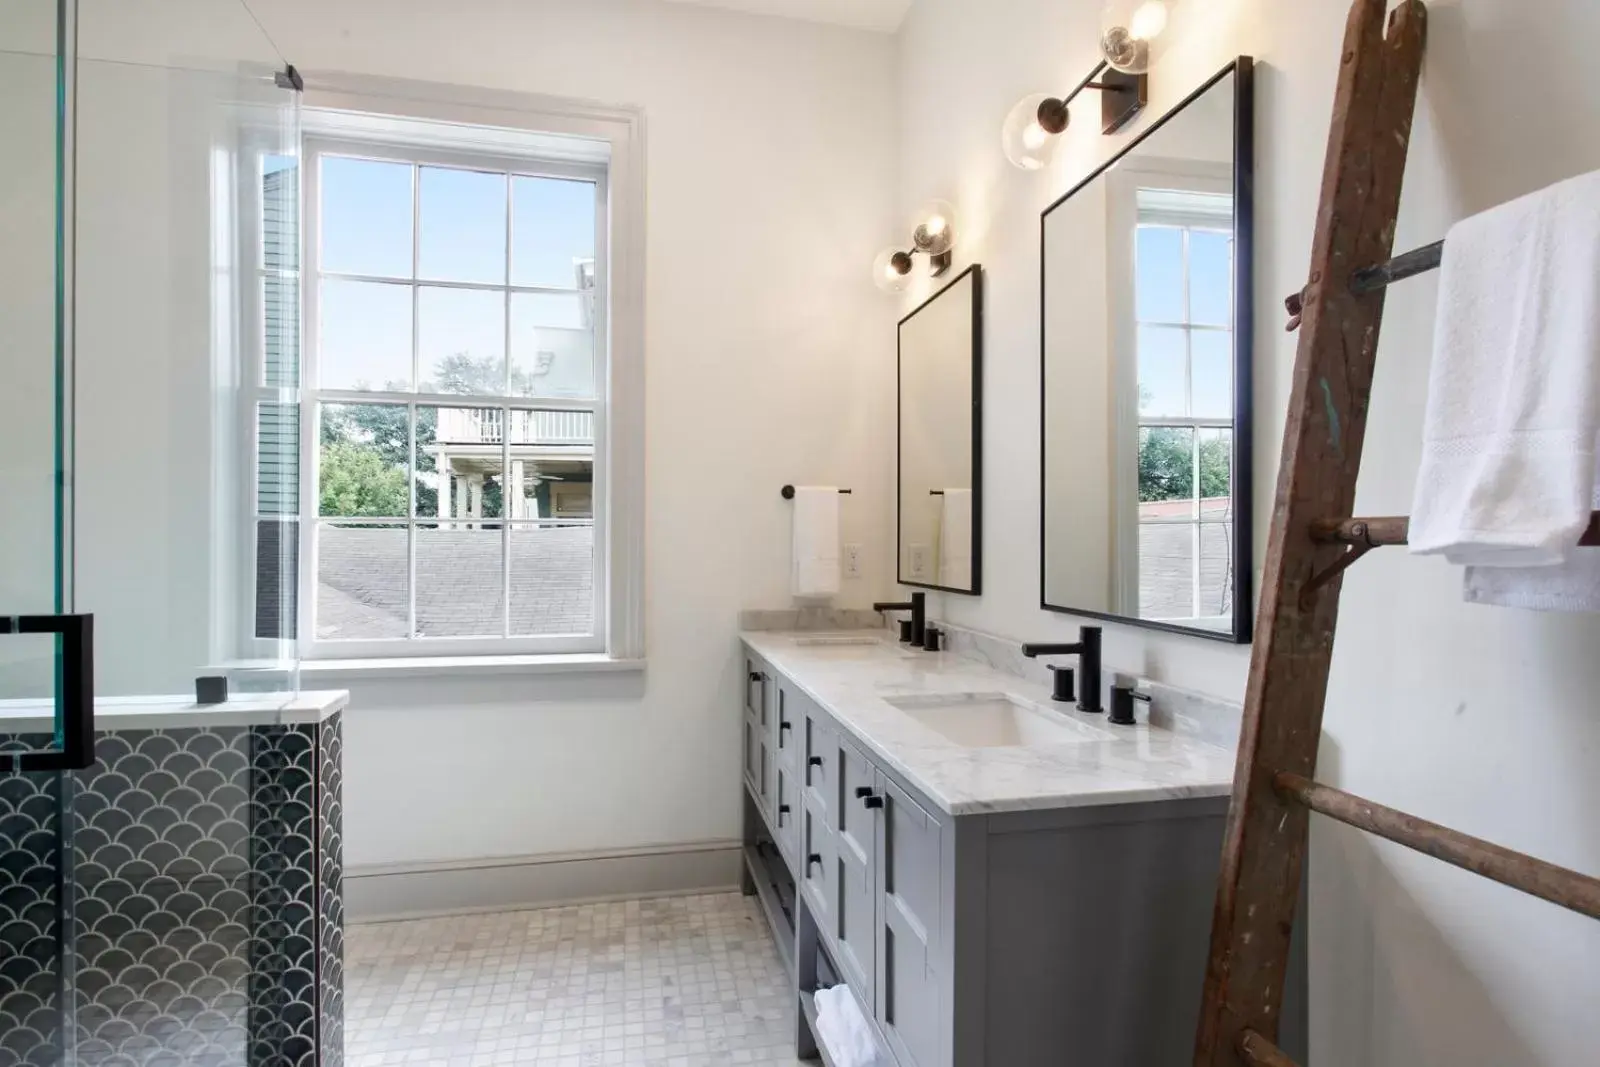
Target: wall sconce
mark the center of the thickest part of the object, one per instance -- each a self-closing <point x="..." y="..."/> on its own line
<point x="934" y="237"/>
<point x="1127" y="30"/>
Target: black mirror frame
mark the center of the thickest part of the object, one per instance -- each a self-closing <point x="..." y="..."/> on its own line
<point x="1243" y="70"/>
<point x="976" y="270"/>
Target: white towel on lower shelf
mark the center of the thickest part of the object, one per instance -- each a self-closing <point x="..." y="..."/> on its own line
<point x="1508" y="471"/>
<point x="844" y="1030"/>
<point x="816" y="541"/>
<point x="955" y="539"/>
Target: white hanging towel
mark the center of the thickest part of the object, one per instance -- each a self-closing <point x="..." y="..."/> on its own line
<point x="955" y="539"/>
<point x="1509" y="476"/>
<point x="816" y="541"/>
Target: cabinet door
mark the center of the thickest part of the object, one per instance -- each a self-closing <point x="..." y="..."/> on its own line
<point x="786" y="815"/>
<point x="817" y="860"/>
<point x="755" y="681"/>
<point x="786" y="731"/>
<point x="856" y="837"/>
<point x="908" y="883"/>
<point x="751" y="745"/>
<point x="819" y="772"/>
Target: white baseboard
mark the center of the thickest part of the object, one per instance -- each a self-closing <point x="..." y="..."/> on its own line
<point x="389" y="892"/>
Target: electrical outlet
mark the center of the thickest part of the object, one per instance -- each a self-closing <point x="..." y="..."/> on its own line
<point x="919" y="560"/>
<point x="852" y="561"/>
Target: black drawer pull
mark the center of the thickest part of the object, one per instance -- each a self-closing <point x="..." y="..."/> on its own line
<point x="783" y="809"/>
<point x="814" y="761"/>
<point x="863" y="791"/>
<point x="785" y="726"/>
<point x="872" y="802"/>
<point x="755" y="676"/>
<point x="813" y="860"/>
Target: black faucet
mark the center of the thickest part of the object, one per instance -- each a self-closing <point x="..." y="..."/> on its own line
<point x="1087" y="649"/>
<point x="918" y="606"/>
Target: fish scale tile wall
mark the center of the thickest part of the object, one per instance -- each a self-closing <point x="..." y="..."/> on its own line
<point x="204" y="907"/>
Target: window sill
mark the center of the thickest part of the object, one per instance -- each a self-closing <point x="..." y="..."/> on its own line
<point x="419" y="666"/>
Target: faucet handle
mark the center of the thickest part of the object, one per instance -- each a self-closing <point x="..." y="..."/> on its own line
<point x="1122" y="698"/>
<point x="1061" y="688"/>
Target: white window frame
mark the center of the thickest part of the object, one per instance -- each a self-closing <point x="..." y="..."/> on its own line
<point x="537" y="135"/>
<point x="1124" y="220"/>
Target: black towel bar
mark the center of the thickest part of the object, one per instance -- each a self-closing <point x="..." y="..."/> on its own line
<point x="788" y="492"/>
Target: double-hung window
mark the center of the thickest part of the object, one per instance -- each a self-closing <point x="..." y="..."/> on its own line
<point x="1183" y="333"/>
<point x="453" y="472"/>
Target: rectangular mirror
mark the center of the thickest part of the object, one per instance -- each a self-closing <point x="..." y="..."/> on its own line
<point x="941" y="439"/>
<point x="1146" y="339"/>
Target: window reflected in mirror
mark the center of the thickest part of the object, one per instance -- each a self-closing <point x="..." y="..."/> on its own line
<point x="940" y="429"/>
<point x="1145" y="339"/>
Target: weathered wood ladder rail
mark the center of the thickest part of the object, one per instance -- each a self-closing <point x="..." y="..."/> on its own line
<point x="1313" y="541"/>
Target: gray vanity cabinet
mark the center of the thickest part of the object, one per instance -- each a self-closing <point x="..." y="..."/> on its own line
<point x="1056" y="937"/>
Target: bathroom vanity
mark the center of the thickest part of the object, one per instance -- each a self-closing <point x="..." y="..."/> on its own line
<point x="999" y="879"/>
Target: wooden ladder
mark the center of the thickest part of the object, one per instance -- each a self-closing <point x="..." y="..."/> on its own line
<point x="1313" y="542"/>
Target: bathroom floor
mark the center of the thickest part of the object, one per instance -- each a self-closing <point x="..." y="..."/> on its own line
<point x="675" y="982"/>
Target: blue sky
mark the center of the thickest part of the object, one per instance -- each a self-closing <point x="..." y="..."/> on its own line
<point x="1160" y="299"/>
<point x="366" y="214"/>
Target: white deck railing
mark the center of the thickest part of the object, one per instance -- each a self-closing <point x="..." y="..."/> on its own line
<point x="473" y="426"/>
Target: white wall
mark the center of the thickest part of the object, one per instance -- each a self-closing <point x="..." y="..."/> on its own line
<point x="1480" y="718"/>
<point x="769" y="354"/>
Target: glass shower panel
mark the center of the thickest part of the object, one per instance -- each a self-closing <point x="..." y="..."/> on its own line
<point x="187" y="404"/>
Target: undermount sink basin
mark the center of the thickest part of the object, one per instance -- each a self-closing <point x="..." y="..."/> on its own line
<point x="994" y="720"/>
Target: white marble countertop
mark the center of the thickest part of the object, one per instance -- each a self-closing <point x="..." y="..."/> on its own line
<point x="1133" y="763"/>
<point x="177" y="712"/>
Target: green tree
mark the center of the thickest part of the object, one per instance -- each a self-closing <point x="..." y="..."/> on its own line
<point x="357" y="482"/>
<point x="1166" y="464"/>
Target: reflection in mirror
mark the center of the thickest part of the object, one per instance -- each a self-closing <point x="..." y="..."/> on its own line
<point x="940" y="492"/>
<point x="1146" y="350"/>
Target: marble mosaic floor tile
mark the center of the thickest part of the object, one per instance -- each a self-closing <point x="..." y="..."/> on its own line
<point x="672" y="982"/>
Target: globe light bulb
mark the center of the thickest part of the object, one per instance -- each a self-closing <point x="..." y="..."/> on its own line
<point x="1148" y="22"/>
<point x="1127" y="28"/>
<point x="891" y="270"/>
<point x="1024" y="139"/>
<point x="935" y="233"/>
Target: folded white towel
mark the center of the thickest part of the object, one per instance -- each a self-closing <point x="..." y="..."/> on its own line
<point x="1508" y="471"/>
<point x="955" y="539"/>
<point x="844" y="1030"/>
<point x="1574" y="585"/>
<point x="816" y="541"/>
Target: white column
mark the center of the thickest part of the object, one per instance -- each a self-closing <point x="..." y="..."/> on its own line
<point x="516" y="506"/>
<point x="475" y="497"/>
<point x="442" y="483"/>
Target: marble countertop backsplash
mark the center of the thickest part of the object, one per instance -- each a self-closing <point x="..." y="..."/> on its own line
<point x="1149" y="761"/>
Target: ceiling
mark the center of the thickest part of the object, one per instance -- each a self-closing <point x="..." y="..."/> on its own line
<point x="881" y="15"/>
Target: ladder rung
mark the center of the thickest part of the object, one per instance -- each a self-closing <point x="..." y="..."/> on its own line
<point x="1421" y="261"/>
<point x="1394" y="530"/>
<point x="1558" y="885"/>
<point x="1259" y="1052"/>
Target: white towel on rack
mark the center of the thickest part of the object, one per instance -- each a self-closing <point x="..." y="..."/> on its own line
<point x="816" y="541"/>
<point x="955" y="539"/>
<point x="1508" y="471"/>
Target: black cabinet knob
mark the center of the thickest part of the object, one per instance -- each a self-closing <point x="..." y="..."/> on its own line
<point x="814" y="761"/>
<point x="785" y="726"/>
<point x="813" y="860"/>
<point x="872" y="802"/>
<point x="863" y="791"/>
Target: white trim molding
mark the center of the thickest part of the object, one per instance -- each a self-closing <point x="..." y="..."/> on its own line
<point x="390" y="892"/>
